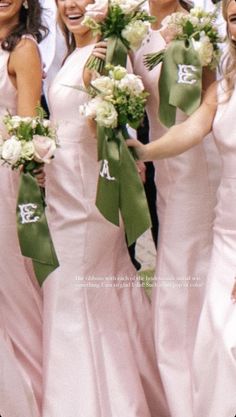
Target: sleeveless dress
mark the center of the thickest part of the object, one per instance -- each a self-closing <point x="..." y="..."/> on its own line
<point x="186" y="189"/>
<point x="215" y="351"/>
<point x="20" y="298"/>
<point x="98" y="346"/>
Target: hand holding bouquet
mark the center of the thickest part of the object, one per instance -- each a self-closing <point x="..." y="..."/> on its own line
<point x="123" y="23"/>
<point x="198" y="28"/>
<point x="31" y="143"/>
<point x="194" y="45"/>
<point x="118" y="100"/>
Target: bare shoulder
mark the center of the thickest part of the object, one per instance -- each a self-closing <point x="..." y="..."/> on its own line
<point x="25" y="56"/>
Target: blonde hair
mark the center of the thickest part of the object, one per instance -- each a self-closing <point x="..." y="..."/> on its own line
<point x="229" y="61"/>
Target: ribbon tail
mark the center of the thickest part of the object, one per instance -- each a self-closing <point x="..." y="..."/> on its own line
<point x="107" y="198"/>
<point x="33" y="232"/>
<point x="133" y="202"/>
<point x="116" y="52"/>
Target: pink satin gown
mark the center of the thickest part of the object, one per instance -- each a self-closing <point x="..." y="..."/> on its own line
<point x="186" y="189"/>
<point x="98" y="346"/>
<point x="20" y="296"/>
<point x="215" y="351"/>
<point x="15" y="398"/>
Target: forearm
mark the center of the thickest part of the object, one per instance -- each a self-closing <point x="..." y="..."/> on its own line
<point x="177" y="140"/>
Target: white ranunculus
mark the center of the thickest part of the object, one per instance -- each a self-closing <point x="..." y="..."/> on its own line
<point x="135" y="32"/>
<point x="132" y="83"/>
<point x="127" y="6"/>
<point x="205" y="50"/>
<point x="27" y="150"/>
<point x="106" y="115"/>
<point x="118" y="72"/>
<point x="90" y="109"/>
<point x="11" y="150"/>
<point x="105" y="85"/>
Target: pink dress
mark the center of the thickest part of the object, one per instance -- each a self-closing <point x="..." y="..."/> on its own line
<point x="186" y="192"/>
<point x="215" y="351"/>
<point x="98" y="346"/>
<point x="20" y="297"/>
<point x="15" y="397"/>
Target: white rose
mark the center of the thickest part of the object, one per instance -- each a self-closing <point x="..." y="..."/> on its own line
<point x="135" y="32"/>
<point x="46" y="123"/>
<point x="106" y="115"/>
<point x="127" y="6"/>
<point x="90" y="109"/>
<point x="105" y="85"/>
<point x="27" y="150"/>
<point x="205" y="50"/>
<point x="11" y="150"/>
<point x="131" y="83"/>
<point x="15" y="122"/>
<point x="97" y="10"/>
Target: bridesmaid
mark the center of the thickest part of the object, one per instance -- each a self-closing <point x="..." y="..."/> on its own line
<point x="20" y="89"/>
<point x="186" y="194"/>
<point x="214" y="357"/>
<point x="98" y="345"/>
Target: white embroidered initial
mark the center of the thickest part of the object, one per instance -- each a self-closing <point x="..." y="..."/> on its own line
<point x="27" y="213"/>
<point x="105" y="173"/>
<point x="186" y="74"/>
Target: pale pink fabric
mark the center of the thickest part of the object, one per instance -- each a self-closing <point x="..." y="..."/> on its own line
<point x="16" y="399"/>
<point x="98" y="347"/>
<point x="215" y="351"/>
<point x="186" y="188"/>
<point x="20" y="296"/>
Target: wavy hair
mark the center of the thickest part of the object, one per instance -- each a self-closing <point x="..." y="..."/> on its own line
<point x="228" y="67"/>
<point x="30" y="23"/>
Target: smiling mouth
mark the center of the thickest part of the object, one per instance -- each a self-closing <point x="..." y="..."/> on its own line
<point x="4" y="5"/>
<point x="75" y="17"/>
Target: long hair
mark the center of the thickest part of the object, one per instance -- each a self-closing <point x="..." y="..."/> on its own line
<point x="228" y="67"/>
<point x="30" y="23"/>
<point x="69" y="37"/>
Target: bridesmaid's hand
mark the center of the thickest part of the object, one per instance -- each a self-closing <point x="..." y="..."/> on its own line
<point x="40" y="177"/>
<point x="140" y="149"/>
<point x="99" y="51"/>
<point x="233" y="293"/>
<point x="141" y="168"/>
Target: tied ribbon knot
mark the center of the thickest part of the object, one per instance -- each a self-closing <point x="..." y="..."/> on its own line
<point x="120" y="190"/>
<point x="180" y="83"/>
<point x="33" y="232"/>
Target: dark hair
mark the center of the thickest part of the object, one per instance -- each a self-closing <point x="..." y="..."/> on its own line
<point x="187" y="5"/>
<point x="30" y="23"/>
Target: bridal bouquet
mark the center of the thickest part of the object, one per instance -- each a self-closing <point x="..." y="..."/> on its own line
<point x="118" y="100"/>
<point x="31" y="142"/>
<point x="123" y="23"/>
<point x="194" y="45"/>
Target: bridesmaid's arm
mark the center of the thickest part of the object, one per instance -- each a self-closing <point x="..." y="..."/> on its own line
<point x="184" y="136"/>
<point x="25" y="71"/>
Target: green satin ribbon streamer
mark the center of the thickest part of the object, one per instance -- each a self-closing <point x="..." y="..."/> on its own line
<point x="116" y="52"/>
<point x="33" y="232"/>
<point x="180" y="83"/>
<point x="120" y="189"/>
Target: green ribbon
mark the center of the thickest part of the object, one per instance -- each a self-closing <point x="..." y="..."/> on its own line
<point x="116" y="52"/>
<point x="120" y="189"/>
<point x="33" y="232"/>
<point x="180" y="82"/>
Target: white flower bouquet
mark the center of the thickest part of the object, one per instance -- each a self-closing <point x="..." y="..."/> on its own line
<point x="118" y="100"/>
<point x="31" y="142"/>
<point x="198" y="27"/>
<point x="123" y="23"/>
